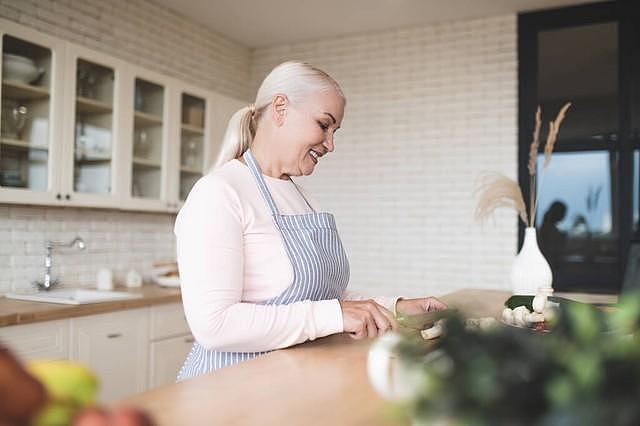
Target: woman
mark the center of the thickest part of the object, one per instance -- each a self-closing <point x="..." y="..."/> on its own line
<point x="260" y="268"/>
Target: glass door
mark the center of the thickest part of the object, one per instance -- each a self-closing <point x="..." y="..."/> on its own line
<point x="25" y="129"/>
<point x="148" y="140"/>
<point x="192" y="137"/>
<point x="94" y="123"/>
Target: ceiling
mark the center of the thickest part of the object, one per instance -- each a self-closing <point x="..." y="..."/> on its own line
<point x="260" y="23"/>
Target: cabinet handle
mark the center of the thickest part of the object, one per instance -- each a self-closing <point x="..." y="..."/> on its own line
<point x="58" y="196"/>
<point x="67" y="197"/>
<point x="114" y="335"/>
<point x="189" y="340"/>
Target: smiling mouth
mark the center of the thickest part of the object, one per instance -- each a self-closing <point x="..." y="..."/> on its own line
<point x="314" y="156"/>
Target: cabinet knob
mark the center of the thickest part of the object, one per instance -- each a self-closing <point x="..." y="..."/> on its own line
<point x="67" y="197"/>
<point x="114" y="335"/>
<point x="58" y="196"/>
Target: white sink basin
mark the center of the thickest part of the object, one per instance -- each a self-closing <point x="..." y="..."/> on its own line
<point x="74" y="296"/>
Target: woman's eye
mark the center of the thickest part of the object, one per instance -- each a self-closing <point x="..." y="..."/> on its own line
<point x="323" y="126"/>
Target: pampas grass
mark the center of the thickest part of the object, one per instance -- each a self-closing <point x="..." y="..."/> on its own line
<point x="496" y="190"/>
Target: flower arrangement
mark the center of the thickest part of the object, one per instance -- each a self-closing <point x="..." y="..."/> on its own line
<point x="497" y="190"/>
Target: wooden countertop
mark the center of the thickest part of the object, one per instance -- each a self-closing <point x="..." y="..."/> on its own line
<point x="14" y="312"/>
<point x="323" y="382"/>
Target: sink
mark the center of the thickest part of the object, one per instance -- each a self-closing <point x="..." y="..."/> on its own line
<point x="75" y="296"/>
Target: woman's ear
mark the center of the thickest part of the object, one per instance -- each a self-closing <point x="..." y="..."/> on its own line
<point x="279" y="109"/>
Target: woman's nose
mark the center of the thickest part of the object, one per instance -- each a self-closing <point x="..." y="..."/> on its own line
<point x="328" y="143"/>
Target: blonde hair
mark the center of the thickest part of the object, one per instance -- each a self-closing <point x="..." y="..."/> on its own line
<point x="296" y="80"/>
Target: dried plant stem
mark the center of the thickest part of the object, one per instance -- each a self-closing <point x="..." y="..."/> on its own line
<point x="552" y="137"/>
<point x="496" y="191"/>
<point x="532" y="198"/>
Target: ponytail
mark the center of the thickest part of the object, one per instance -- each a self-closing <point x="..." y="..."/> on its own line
<point x="239" y="134"/>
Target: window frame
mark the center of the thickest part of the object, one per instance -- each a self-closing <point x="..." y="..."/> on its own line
<point x="624" y="13"/>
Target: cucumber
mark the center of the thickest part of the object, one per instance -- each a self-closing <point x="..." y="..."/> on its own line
<point x="518" y="300"/>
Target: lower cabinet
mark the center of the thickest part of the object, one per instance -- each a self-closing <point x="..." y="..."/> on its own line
<point x="166" y="358"/>
<point x="41" y="340"/>
<point x="116" y="347"/>
<point x="130" y="351"/>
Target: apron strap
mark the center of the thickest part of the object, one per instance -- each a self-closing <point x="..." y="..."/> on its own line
<point x="302" y="195"/>
<point x="262" y="186"/>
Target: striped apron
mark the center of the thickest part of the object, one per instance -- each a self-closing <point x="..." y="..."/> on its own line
<point x="320" y="271"/>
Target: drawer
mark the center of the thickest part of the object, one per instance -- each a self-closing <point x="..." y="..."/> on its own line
<point x="43" y="340"/>
<point x="166" y="358"/>
<point x="168" y="320"/>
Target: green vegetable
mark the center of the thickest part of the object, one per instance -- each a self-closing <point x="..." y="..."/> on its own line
<point x="515" y="301"/>
<point x="586" y="371"/>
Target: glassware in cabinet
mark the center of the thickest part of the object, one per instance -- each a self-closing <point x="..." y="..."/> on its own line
<point x="93" y="146"/>
<point x="26" y="111"/>
<point x="192" y="132"/>
<point x="148" y="130"/>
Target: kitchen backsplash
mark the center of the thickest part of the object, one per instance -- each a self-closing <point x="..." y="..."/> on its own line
<point x="116" y="240"/>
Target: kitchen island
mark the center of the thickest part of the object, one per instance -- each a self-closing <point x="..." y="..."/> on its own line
<point x="323" y="382"/>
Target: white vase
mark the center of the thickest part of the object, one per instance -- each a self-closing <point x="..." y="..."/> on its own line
<point x="530" y="270"/>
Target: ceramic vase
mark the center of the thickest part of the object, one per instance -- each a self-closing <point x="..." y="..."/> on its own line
<point x="530" y="270"/>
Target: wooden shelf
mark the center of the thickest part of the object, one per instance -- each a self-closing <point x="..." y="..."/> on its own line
<point x="192" y="129"/>
<point x="142" y="119"/>
<point x="146" y="163"/>
<point x="190" y="170"/>
<point x="93" y="160"/>
<point x="17" y="90"/>
<point x="92" y="106"/>
<point x="22" y="144"/>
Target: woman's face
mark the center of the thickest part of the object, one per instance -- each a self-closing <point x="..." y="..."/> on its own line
<point x="307" y="131"/>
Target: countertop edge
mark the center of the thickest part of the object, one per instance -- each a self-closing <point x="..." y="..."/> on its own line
<point x="23" y="312"/>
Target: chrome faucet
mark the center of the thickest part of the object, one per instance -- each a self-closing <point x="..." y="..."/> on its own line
<point x="49" y="245"/>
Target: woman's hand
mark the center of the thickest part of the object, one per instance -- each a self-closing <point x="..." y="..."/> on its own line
<point x="419" y="306"/>
<point x="365" y="318"/>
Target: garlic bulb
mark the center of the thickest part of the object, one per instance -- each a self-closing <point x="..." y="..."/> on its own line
<point x="519" y="316"/>
<point x="507" y="315"/>
<point x="539" y="302"/>
<point x="534" y="317"/>
<point x="433" y="332"/>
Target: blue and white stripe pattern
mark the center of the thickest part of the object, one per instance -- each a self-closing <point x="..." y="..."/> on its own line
<point x="320" y="271"/>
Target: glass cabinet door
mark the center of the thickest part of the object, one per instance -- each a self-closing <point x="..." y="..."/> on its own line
<point x="148" y="137"/>
<point x="26" y="111"/>
<point x="94" y="120"/>
<point x="192" y="132"/>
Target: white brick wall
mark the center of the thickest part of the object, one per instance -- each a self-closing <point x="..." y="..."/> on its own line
<point x="428" y="109"/>
<point x="143" y="33"/>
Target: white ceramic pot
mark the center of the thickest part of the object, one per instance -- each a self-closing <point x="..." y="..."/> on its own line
<point x="19" y="68"/>
<point x="530" y="270"/>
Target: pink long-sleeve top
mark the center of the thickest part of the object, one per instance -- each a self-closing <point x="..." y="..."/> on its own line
<point x="231" y="256"/>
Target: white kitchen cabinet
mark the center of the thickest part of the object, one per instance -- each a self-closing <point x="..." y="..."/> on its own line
<point x="116" y="347"/>
<point x="166" y="358"/>
<point x="31" y="96"/>
<point x="42" y="340"/>
<point x="94" y="131"/>
<point x="171" y="341"/>
<point x="130" y="350"/>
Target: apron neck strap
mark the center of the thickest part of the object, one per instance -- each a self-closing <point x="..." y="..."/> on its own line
<point x="262" y="186"/>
